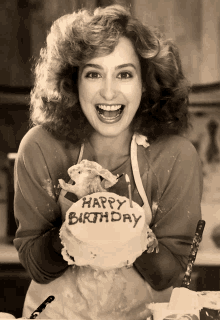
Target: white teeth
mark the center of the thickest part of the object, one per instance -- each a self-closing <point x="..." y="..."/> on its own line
<point x="109" y="108"/>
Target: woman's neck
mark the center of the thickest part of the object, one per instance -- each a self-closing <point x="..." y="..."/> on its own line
<point x="111" y="152"/>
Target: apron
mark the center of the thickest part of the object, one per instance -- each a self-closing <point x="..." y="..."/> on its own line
<point x="83" y="293"/>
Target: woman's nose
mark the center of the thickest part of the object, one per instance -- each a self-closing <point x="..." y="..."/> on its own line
<point x="108" y="90"/>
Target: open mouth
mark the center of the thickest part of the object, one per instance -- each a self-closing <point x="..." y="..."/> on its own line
<point x="110" y="113"/>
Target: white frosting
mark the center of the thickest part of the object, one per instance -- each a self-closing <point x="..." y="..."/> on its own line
<point x="103" y="231"/>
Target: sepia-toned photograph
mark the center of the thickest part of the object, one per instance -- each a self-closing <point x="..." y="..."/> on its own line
<point x="110" y="159"/>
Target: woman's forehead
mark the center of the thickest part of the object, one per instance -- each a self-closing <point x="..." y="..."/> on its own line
<point x="124" y="49"/>
<point x="123" y="54"/>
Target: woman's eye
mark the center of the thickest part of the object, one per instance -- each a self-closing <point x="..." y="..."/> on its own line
<point x="93" y="75"/>
<point x="125" y="75"/>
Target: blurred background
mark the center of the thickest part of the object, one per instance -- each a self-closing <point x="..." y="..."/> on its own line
<point x="195" y="27"/>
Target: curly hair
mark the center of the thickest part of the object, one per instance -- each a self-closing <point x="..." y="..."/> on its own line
<point x="78" y="37"/>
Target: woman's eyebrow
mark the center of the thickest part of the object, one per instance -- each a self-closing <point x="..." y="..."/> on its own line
<point x="97" y="66"/>
<point x="125" y="65"/>
<point x="92" y="65"/>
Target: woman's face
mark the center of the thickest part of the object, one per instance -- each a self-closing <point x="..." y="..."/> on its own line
<point x="110" y="89"/>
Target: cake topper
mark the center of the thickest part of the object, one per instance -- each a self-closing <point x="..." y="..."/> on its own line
<point x="88" y="177"/>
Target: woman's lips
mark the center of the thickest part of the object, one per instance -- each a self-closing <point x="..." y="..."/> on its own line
<point x="110" y="113"/>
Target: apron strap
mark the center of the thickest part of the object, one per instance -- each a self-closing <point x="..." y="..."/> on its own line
<point x="138" y="180"/>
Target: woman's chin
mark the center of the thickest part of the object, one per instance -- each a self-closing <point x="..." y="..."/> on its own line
<point x="108" y="132"/>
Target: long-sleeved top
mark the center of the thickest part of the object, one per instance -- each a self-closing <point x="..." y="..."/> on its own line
<point x="172" y="178"/>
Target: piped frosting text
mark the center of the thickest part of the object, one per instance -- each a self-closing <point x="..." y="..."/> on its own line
<point x="96" y="214"/>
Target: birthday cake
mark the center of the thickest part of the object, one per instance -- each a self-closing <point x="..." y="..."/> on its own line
<point x="102" y="230"/>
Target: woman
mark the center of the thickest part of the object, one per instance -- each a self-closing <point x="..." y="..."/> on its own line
<point x="102" y="77"/>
